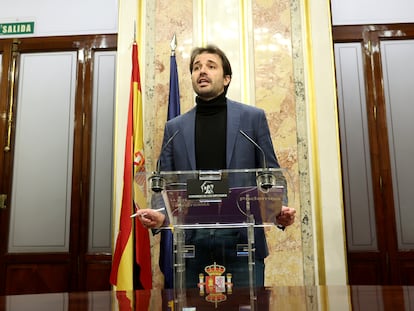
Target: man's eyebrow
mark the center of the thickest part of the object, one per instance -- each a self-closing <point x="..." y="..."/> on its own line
<point x="210" y="61"/>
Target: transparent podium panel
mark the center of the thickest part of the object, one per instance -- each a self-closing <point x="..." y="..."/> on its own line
<point x="217" y="220"/>
<point x="221" y="198"/>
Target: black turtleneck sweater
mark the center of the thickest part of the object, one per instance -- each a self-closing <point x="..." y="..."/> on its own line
<point x="210" y="133"/>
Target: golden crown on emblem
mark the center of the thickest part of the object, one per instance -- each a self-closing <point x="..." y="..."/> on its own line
<point x="214" y="269"/>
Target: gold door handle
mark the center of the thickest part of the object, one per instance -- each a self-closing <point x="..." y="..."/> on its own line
<point x="3" y="198"/>
<point x="11" y="97"/>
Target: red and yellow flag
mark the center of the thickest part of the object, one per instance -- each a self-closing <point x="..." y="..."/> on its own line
<point x="142" y="242"/>
<point x="122" y="274"/>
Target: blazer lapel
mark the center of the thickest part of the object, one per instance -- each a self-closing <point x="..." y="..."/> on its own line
<point x="188" y="129"/>
<point x="233" y="126"/>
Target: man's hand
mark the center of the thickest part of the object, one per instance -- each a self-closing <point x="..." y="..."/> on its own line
<point x="150" y="219"/>
<point x="286" y="216"/>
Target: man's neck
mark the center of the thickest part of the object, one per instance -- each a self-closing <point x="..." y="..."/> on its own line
<point x="204" y="101"/>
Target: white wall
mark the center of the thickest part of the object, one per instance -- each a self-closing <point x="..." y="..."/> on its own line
<point x="55" y="18"/>
<point x="351" y="12"/>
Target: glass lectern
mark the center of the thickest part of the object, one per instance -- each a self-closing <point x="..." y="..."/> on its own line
<point x="217" y="220"/>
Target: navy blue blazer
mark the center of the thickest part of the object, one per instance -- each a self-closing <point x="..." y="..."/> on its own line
<point x="179" y="153"/>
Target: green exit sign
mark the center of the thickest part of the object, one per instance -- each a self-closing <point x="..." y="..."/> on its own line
<point x="21" y="28"/>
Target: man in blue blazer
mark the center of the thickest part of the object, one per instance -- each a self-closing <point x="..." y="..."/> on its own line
<point x="180" y="154"/>
<point x="209" y="137"/>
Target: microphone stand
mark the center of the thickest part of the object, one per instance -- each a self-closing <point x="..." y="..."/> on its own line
<point x="265" y="179"/>
<point x="157" y="182"/>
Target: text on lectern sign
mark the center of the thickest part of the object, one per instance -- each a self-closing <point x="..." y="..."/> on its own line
<point x="207" y="189"/>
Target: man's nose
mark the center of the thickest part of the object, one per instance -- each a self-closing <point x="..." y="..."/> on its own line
<point x="203" y="69"/>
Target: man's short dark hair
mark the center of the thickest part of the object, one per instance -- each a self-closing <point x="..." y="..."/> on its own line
<point x="212" y="49"/>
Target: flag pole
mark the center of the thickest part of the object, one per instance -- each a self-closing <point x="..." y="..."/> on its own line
<point x="135" y="31"/>
<point x="173" y="44"/>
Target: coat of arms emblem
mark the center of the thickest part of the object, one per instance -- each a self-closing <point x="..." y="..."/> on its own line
<point x="215" y="284"/>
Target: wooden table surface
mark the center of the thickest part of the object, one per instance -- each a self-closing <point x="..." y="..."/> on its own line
<point x="283" y="298"/>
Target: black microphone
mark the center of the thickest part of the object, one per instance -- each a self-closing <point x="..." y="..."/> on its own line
<point x="157" y="182"/>
<point x="265" y="179"/>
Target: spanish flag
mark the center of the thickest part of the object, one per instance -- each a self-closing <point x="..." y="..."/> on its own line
<point x="131" y="263"/>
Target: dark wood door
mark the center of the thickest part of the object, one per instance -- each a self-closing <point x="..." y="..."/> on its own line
<point x="388" y="262"/>
<point x="76" y="268"/>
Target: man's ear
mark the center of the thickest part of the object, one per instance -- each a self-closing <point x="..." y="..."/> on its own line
<point x="227" y="80"/>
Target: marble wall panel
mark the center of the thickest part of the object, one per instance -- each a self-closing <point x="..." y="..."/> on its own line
<point x="275" y="94"/>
